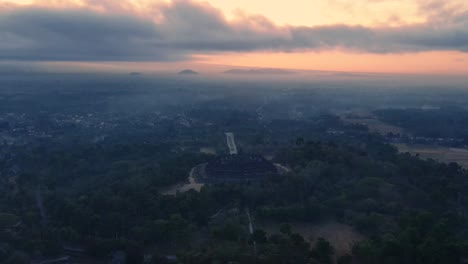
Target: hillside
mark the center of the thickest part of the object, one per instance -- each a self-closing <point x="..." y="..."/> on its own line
<point x="188" y="72"/>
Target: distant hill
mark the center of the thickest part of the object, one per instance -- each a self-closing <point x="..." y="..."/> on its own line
<point x="17" y="69"/>
<point x="188" y="72"/>
<point x="258" y="71"/>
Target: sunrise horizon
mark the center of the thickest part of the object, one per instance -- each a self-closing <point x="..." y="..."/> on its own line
<point x="387" y="36"/>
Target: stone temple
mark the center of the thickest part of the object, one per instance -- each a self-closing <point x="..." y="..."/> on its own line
<point x="237" y="167"/>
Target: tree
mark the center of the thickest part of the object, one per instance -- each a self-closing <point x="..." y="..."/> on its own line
<point x="18" y="258"/>
<point x="259" y="236"/>
<point x="323" y="251"/>
<point x="7" y="220"/>
<point x="286" y="229"/>
<point x="345" y="259"/>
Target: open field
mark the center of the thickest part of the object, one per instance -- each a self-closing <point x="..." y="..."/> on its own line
<point x="442" y="154"/>
<point x="207" y="150"/>
<point x="368" y="119"/>
<point x="341" y="236"/>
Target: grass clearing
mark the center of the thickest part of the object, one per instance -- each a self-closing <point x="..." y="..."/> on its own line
<point x="367" y="118"/>
<point x="443" y="154"/>
<point x="341" y="236"/>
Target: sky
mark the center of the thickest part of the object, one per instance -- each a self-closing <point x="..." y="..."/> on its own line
<point x="391" y="36"/>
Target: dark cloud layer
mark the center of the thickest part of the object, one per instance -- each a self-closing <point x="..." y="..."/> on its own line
<point x="189" y="28"/>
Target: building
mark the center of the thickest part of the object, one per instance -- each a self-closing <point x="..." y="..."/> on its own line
<point x="237" y="168"/>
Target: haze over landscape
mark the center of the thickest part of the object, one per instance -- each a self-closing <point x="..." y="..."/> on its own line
<point x="233" y="131"/>
<point x="330" y="35"/>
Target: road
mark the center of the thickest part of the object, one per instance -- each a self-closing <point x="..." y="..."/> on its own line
<point x="231" y="143"/>
<point x="251" y="230"/>
<point x="40" y="206"/>
<point x="281" y="169"/>
<point x="184" y="187"/>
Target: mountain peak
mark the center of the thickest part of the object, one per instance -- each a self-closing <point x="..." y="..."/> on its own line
<point x="188" y="72"/>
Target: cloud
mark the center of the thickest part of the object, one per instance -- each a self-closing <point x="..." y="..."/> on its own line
<point x="36" y="34"/>
<point x="182" y="28"/>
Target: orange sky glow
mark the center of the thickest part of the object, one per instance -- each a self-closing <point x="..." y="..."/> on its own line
<point x="310" y="13"/>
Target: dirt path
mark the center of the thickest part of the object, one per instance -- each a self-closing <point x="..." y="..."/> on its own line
<point x="13" y="181"/>
<point x="184" y="187"/>
<point x="40" y="206"/>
